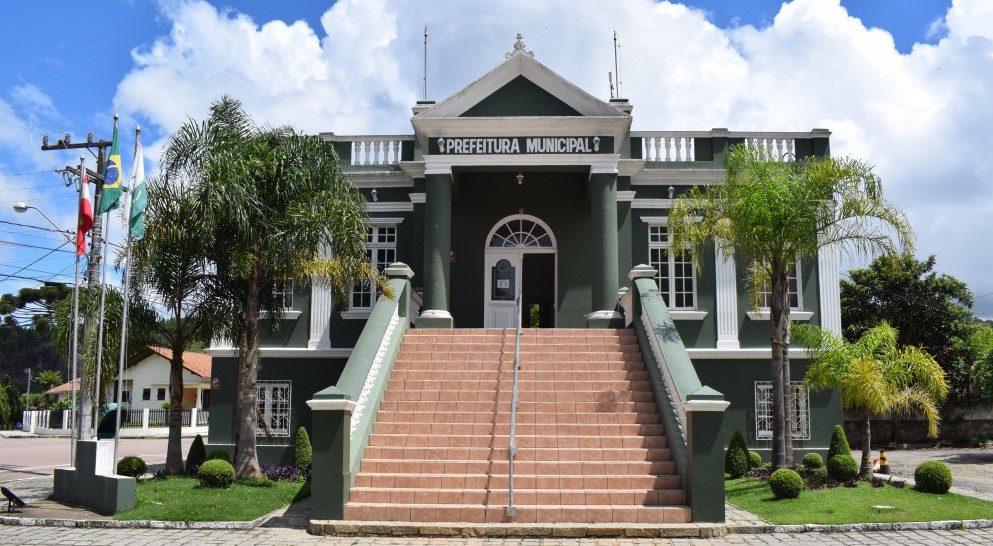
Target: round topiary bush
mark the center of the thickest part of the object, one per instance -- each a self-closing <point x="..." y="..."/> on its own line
<point x="736" y="457"/>
<point x="754" y="459"/>
<point x="843" y="468"/>
<point x="813" y="460"/>
<point x="196" y="456"/>
<point x="219" y="454"/>
<point x="933" y="477"/>
<point x="131" y="466"/>
<point x="786" y="484"/>
<point x="216" y="473"/>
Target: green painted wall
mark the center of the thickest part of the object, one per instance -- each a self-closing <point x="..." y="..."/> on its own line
<point x="736" y="380"/>
<point x="520" y="97"/>
<point x="290" y="332"/>
<point x="483" y="199"/>
<point x="308" y="375"/>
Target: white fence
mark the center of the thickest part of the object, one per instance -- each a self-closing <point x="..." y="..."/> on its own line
<point x="141" y="422"/>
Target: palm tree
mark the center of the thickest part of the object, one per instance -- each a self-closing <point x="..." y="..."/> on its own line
<point x="776" y="213"/>
<point x="875" y="374"/>
<point x="169" y="262"/>
<point x="48" y="380"/>
<point x="269" y="205"/>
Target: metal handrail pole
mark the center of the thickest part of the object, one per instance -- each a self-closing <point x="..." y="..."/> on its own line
<point x="512" y="449"/>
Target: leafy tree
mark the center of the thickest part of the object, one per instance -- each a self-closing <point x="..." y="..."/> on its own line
<point x="48" y="380"/>
<point x="877" y="375"/>
<point x="33" y="306"/>
<point x="775" y="214"/>
<point x="979" y="348"/>
<point x="931" y="310"/>
<point x="11" y="402"/>
<point x="268" y="204"/>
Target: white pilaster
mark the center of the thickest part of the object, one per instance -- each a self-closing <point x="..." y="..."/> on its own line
<point x="727" y="301"/>
<point x="320" y="317"/>
<point x="830" y="288"/>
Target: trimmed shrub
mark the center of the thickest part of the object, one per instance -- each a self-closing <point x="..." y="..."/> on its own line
<point x="736" y="457"/>
<point x="839" y="443"/>
<point x="219" y="454"/>
<point x="131" y="466"/>
<point x="785" y="484"/>
<point x="843" y="467"/>
<point x="196" y="456"/>
<point x="216" y="473"/>
<point x="301" y="449"/>
<point x="754" y="459"/>
<point x="813" y="460"/>
<point x="933" y="477"/>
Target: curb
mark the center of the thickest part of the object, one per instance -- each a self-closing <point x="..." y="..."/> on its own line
<point x="521" y="530"/>
<point x="135" y="524"/>
<point x="861" y="527"/>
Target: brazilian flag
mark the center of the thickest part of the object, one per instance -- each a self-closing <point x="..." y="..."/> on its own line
<point x="110" y="199"/>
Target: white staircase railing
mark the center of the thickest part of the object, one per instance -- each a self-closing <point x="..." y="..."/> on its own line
<point x="512" y="449"/>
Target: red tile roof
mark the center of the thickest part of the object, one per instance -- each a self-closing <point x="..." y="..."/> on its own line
<point x="63" y="388"/>
<point x="196" y="363"/>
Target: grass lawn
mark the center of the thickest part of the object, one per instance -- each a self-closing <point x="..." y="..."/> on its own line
<point x="853" y="505"/>
<point x="181" y="498"/>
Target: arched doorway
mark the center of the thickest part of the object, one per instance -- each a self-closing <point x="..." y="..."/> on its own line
<point x="520" y="256"/>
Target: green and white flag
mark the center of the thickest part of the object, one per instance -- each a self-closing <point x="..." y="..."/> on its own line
<point x="137" y="195"/>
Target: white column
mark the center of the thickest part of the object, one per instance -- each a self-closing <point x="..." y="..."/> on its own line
<point x="193" y="417"/>
<point x="320" y="317"/>
<point x="829" y="282"/>
<point x="727" y="301"/>
<point x="144" y="419"/>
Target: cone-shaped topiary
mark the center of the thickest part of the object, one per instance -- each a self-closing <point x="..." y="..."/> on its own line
<point x="301" y="449"/>
<point x="736" y="461"/>
<point x="785" y="484"/>
<point x="839" y="443"/>
<point x="933" y="477"/>
<point x="196" y="456"/>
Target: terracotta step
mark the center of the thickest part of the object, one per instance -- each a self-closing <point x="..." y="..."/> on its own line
<point x="524" y="513"/>
<point x="450" y="453"/>
<point x="559" y="386"/>
<point x="491" y="496"/>
<point x="491" y="406"/>
<point x="547" y="468"/>
<point x="522" y="418"/>
<point x="523" y="481"/>
<point x="503" y="429"/>
<point x="523" y="441"/>
<point x="523" y="396"/>
<point x="524" y="375"/>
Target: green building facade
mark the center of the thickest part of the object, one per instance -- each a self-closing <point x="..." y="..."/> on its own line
<point x="523" y="182"/>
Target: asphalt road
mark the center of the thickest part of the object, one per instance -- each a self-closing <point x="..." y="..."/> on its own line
<point x="972" y="467"/>
<point x="24" y="458"/>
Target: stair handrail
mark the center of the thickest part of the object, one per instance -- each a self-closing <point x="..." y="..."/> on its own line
<point x="512" y="446"/>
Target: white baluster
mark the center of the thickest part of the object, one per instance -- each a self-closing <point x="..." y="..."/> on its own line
<point x="658" y="149"/>
<point x="379" y="153"/>
<point x="667" y="142"/>
<point x="775" y="147"/>
<point x="792" y="149"/>
<point x="390" y="156"/>
<point x="690" y="155"/>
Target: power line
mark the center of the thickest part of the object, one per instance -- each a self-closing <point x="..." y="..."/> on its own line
<point x="27" y="174"/>
<point x="53" y="230"/>
<point x="25" y="245"/>
<point x="71" y="196"/>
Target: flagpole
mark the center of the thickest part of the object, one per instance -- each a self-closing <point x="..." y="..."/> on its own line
<point x="103" y="296"/>
<point x="138" y="157"/>
<point x="75" y="318"/>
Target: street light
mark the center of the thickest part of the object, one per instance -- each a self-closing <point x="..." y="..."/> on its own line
<point x="23" y="207"/>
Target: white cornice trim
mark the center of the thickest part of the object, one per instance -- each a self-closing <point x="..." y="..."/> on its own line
<point x="418" y="198"/>
<point x="651" y="204"/>
<point x="388" y="206"/>
<point x="630" y="167"/>
<point x="741" y="354"/>
<point x="794" y="315"/>
<point x="378" y="179"/>
<point x="705" y="405"/>
<point x="384" y="221"/>
<point x="294" y="352"/>
<point x="352" y="314"/>
<point x="332" y="404"/>
<point x="442" y="164"/>
<point x="626" y="195"/>
<point x="413" y="169"/>
<point x="677" y="314"/>
<point x="650" y="176"/>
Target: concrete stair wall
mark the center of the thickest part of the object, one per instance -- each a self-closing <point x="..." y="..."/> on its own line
<point x="590" y="446"/>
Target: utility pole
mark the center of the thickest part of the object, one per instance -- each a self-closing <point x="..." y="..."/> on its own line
<point x="93" y="260"/>
<point x="27" y="395"/>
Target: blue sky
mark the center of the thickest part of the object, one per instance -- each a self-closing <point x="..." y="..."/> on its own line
<point x="903" y="84"/>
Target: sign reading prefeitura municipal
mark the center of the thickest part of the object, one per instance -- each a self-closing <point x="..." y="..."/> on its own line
<point x="521" y="145"/>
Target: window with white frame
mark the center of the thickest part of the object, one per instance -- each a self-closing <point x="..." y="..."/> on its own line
<point x="676" y="275"/>
<point x="792" y="289"/>
<point x="800" y="400"/>
<point x="282" y="293"/>
<point x="381" y="251"/>
<point x="273" y="408"/>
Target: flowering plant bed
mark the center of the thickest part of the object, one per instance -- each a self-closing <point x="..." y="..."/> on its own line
<point x="825" y="501"/>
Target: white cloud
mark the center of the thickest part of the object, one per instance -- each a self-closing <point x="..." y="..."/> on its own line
<point x="922" y="118"/>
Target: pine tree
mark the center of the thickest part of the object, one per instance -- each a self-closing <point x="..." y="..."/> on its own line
<point x="301" y="449"/>
<point x="736" y="459"/>
<point x="196" y="456"/>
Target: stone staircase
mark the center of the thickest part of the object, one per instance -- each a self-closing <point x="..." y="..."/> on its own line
<point x="590" y="445"/>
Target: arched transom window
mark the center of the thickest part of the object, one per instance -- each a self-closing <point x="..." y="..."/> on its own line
<point x="521" y="233"/>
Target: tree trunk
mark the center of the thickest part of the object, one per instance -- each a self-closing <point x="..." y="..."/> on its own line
<point x="866" y="470"/>
<point x="776" y="316"/>
<point x="246" y="462"/>
<point x="174" y="449"/>
<point x="787" y="383"/>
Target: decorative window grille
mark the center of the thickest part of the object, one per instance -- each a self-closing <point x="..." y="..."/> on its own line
<point x="282" y="293"/>
<point x="676" y="275"/>
<point x="792" y="290"/>
<point x="521" y="233"/>
<point x="381" y="251"/>
<point x="273" y="402"/>
<point x="799" y="398"/>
